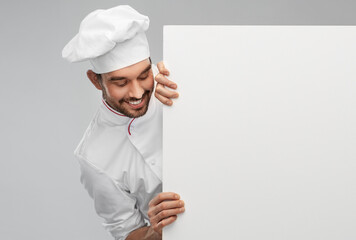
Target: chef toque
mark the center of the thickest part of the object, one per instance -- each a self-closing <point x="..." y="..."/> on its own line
<point x="110" y="39"/>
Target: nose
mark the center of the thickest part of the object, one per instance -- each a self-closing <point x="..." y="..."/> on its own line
<point x="136" y="91"/>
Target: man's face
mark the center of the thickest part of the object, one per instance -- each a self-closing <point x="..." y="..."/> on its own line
<point x="128" y="90"/>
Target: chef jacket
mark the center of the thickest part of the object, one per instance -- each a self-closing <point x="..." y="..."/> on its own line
<point x="120" y="160"/>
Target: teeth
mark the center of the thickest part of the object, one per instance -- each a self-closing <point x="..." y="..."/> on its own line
<point x="136" y="102"/>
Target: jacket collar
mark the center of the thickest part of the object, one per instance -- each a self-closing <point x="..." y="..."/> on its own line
<point x="111" y="115"/>
<point x="117" y="118"/>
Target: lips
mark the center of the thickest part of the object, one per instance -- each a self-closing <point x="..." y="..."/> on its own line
<point x="135" y="102"/>
<point x="138" y="103"/>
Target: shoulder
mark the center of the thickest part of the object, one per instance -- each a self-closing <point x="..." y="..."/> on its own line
<point x="105" y="146"/>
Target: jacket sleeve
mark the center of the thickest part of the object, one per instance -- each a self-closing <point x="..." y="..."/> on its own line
<point x="115" y="205"/>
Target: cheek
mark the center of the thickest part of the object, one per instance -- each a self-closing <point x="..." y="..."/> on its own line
<point x="148" y="83"/>
<point x="115" y="92"/>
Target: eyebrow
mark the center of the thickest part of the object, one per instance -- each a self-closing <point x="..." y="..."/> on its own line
<point x="115" y="78"/>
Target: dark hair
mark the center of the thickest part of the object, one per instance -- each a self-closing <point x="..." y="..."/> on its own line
<point x="98" y="75"/>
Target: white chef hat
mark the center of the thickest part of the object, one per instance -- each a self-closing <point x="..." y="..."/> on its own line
<point x="111" y="39"/>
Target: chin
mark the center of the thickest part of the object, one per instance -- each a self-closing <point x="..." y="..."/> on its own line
<point x="125" y="109"/>
<point x="138" y="113"/>
<point x="135" y="113"/>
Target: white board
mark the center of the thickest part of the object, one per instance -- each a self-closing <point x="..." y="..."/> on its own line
<point x="261" y="143"/>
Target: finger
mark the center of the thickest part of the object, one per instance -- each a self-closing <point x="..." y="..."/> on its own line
<point x="167" y="213"/>
<point x="166" y="92"/>
<point x="166" y="222"/>
<point x="160" y="78"/>
<point x="164" y="100"/>
<point x="159" y="226"/>
<point x="162" y="69"/>
<point x="165" y="205"/>
<point x="163" y="197"/>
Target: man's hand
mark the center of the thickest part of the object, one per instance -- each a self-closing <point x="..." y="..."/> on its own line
<point x="162" y="93"/>
<point x="163" y="210"/>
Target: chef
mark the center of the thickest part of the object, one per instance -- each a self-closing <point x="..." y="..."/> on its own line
<point x="120" y="154"/>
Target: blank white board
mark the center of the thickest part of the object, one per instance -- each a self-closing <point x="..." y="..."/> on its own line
<point x="261" y="143"/>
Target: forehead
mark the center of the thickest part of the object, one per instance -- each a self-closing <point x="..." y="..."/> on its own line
<point x="131" y="71"/>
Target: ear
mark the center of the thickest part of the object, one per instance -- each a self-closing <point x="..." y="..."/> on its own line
<point x="94" y="79"/>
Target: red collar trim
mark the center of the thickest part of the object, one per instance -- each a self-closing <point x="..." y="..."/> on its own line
<point x="112" y="110"/>
<point x="130" y="126"/>
<point x="117" y="113"/>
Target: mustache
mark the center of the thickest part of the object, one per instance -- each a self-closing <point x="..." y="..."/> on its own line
<point x="146" y="93"/>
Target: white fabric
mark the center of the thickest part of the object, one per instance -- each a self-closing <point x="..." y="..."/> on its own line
<point x="121" y="166"/>
<point x="111" y="39"/>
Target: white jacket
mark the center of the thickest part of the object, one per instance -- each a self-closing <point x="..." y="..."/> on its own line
<point x="120" y="160"/>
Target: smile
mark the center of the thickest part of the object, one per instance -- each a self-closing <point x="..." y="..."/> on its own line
<point x="135" y="102"/>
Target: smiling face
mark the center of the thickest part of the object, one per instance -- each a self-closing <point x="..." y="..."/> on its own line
<point x="127" y="90"/>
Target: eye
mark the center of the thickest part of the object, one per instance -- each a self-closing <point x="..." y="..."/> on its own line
<point x="143" y="77"/>
<point x="121" y="83"/>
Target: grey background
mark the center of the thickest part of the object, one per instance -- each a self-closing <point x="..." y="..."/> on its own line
<point x="47" y="103"/>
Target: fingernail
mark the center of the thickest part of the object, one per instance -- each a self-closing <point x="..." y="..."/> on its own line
<point x="173" y="86"/>
<point x="176" y="196"/>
